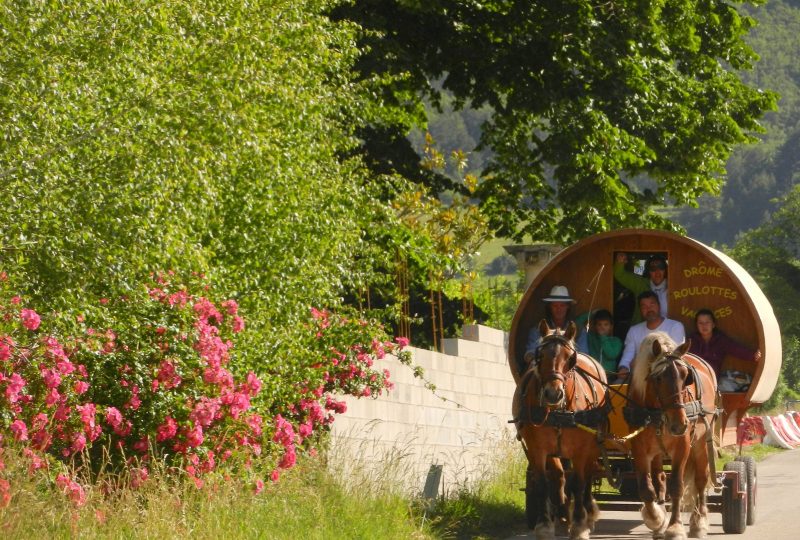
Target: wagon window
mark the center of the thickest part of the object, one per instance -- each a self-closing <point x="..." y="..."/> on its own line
<point x="626" y="312"/>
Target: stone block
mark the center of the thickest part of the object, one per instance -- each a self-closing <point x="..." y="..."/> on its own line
<point x="485" y="334"/>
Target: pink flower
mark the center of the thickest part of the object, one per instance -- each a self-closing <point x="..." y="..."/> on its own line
<point x="254" y="421"/>
<point x="284" y="432"/>
<point x="237" y="401"/>
<point x="52" y="397"/>
<point x="206" y="310"/>
<point x="238" y="324"/>
<point x="305" y="429"/>
<point x="167" y="375"/>
<point x="71" y="488"/>
<point x="402" y="341"/>
<point x="39" y="421"/>
<point x="289" y="458"/>
<point x="336" y="406"/>
<point x="113" y="417"/>
<point x="142" y="445"/>
<point x="5" y="493"/>
<point x="41" y="440"/>
<point x="16" y="300"/>
<point x="30" y="319"/>
<point x="205" y="411"/>
<point x="194" y="437"/>
<point x="253" y="385"/>
<point x="230" y="307"/>
<point x="80" y="387"/>
<point x="6" y="344"/>
<point x="15" y="386"/>
<point x="36" y="461"/>
<point x="51" y="378"/>
<point x="167" y="430"/>
<point x="275" y="475"/>
<point x="78" y="443"/>
<point x="19" y="429"/>
<point x="259" y="487"/>
<point x="134" y="402"/>
<point x="139" y="476"/>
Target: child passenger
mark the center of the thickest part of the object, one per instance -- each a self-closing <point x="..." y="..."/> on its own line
<point x="603" y="345"/>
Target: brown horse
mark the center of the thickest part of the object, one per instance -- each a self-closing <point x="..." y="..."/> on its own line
<point x="559" y="391"/>
<point x="673" y="398"/>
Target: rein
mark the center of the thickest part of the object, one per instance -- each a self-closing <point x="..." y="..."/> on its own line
<point x="540" y="415"/>
<point x="638" y="415"/>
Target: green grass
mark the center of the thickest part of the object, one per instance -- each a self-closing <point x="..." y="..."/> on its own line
<point x="313" y="501"/>
<point x="308" y="502"/>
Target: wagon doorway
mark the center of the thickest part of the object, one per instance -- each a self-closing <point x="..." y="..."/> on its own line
<point x="634" y="264"/>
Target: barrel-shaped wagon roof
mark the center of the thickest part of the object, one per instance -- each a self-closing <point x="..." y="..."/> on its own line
<point x="698" y="277"/>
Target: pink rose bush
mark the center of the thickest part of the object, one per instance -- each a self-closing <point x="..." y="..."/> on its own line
<point x="155" y="375"/>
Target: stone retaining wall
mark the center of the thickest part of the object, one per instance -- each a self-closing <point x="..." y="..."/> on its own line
<point x="412" y="428"/>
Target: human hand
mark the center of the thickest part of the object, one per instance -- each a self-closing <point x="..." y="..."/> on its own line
<point x="529" y="357"/>
<point x="621" y="258"/>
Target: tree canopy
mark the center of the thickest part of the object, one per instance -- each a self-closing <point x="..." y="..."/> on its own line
<point x="600" y="110"/>
<point x="760" y="175"/>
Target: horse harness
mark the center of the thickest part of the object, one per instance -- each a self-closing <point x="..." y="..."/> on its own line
<point x="594" y="419"/>
<point x="640" y="417"/>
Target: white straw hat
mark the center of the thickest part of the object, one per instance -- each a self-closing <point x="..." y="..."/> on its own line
<point x="559" y="293"/>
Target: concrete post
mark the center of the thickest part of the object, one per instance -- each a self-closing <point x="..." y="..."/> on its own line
<point x="531" y="258"/>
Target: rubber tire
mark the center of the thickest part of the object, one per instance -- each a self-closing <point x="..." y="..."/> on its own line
<point x="752" y="486"/>
<point x="734" y="509"/>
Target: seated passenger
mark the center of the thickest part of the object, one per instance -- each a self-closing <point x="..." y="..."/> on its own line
<point x="601" y="342"/>
<point x="557" y="306"/>
<point x="712" y="345"/>
<point x="653" y="322"/>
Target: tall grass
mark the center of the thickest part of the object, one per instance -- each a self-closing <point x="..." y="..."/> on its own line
<point x="319" y="499"/>
<point x="308" y="502"/>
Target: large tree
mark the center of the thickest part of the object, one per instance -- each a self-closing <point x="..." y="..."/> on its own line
<point x="601" y="110"/>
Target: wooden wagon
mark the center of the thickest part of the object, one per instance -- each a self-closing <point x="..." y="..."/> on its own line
<point x="698" y="277"/>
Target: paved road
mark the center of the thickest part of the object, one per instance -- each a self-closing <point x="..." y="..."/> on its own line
<point x="778" y="516"/>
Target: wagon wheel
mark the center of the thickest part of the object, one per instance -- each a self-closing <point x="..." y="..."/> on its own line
<point x="752" y="487"/>
<point x="734" y="508"/>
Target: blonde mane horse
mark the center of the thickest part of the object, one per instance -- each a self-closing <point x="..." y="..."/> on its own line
<point x="644" y="357"/>
<point x="674" y="394"/>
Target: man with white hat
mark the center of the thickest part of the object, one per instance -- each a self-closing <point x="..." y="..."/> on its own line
<point x="557" y="305"/>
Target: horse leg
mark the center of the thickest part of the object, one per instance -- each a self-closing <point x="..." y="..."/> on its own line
<point x="592" y="510"/>
<point x="659" y="479"/>
<point x="556" y="485"/>
<point x="544" y="529"/>
<point x="698" y="523"/>
<point x="653" y="515"/>
<point x="675" y="530"/>
<point x="581" y="522"/>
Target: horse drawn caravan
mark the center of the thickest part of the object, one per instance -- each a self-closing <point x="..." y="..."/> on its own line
<point x="698" y="277"/>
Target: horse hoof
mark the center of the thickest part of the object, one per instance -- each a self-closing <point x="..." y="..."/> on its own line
<point x="698" y="526"/>
<point x="544" y="531"/>
<point x="675" y="532"/>
<point x="579" y="533"/>
<point x="654" y="517"/>
<point x="593" y="513"/>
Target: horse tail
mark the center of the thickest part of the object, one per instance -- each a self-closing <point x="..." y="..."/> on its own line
<point x="690" y="489"/>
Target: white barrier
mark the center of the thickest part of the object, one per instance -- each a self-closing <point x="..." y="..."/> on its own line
<point x="411" y="428"/>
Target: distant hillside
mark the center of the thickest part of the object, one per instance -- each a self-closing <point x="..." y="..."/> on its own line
<point x="757" y="174"/>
